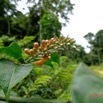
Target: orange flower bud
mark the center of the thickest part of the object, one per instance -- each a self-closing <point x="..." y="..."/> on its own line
<point x="45" y="48"/>
<point x="32" y="52"/>
<point x="40" y="48"/>
<point x="56" y="39"/>
<point x="43" y="42"/>
<point x="46" y="41"/>
<point x="50" y="41"/>
<point x="41" y="61"/>
<point x="38" y="63"/>
<point x="36" y="45"/>
<point x="27" y="51"/>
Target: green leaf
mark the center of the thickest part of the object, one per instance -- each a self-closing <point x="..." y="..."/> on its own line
<point x="26" y="40"/>
<point x="11" y="74"/>
<point x="14" y="50"/>
<point x="41" y="80"/>
<point x="49" y="63"/>
<point x="87" y="87"/>
<point x="55" y="58"/>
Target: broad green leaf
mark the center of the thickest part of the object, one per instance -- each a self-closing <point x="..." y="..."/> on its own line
<point x="14" y="50"/>
<point x="55" y="58"/>
<point x="49" y="63"/>
<point x="11" y="74"/>
<point x="87" y="87"/>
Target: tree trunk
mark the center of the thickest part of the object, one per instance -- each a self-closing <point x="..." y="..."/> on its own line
<point x="9" y="31"/>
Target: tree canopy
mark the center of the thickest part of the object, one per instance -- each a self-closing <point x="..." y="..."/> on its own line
<point x="96" y="46"/>
<point x="14" y="23"/>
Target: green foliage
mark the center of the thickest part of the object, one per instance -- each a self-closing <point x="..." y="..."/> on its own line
<point x="96" y="48"/>
<point x="33" y="99"/>
<point x="26" y="40"/>
<point x="41" y="80"/>
<point x="87" y="87"/>
<point x="12" y="52"/>
<point x="50" y="26"/>
<point x="6" y="40"/>
<point x="8" y="10"/>
<point x="45" y="82"/>
<point x="61" y="8"/>
<point x="54" y="58"/>
<point x="14" y="23"/>
<point x="89" y="37"/>
<point x="11" y="74"/>
<point x="49" y="83"/>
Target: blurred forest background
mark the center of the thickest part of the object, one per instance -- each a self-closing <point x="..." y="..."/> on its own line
<point x="42" y="22"/>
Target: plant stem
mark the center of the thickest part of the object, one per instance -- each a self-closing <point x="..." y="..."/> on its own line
<point x="31" y="100"/>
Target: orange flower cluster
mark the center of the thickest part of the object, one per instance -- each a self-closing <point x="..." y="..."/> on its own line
<point x="47" y="47"/>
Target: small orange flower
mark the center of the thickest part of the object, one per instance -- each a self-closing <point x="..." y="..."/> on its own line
<point x="27" y="51"/>
<point x="36" y="45"/>
<point x="32" y="52"/>
<point x="43" y="43"/>
<point x="41" y="61"/>
<point x="38" y="63"/>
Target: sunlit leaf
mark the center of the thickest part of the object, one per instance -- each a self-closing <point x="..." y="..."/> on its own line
<point x="14" y="50"/>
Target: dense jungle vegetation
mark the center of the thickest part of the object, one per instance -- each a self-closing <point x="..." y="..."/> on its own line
<point x="36" y="37"/>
